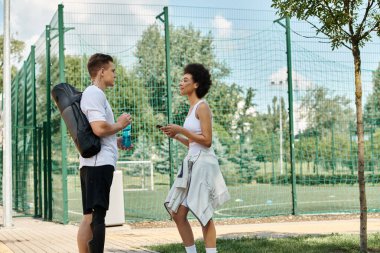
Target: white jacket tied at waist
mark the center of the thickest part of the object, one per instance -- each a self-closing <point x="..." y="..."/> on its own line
<point x="201" y="181"/>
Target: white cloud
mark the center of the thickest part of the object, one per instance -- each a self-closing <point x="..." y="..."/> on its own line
<point x="112" y="29"/>
<point x="29" y="17"/>
<point x="223" y="26"/>
<point x="144" y="14"/>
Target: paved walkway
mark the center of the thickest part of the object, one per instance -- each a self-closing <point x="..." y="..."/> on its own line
<point x="31" y="235"/>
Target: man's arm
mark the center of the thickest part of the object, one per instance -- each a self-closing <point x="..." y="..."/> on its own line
<point x="103" y="129"/>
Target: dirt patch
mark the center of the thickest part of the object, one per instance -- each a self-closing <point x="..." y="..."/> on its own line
<point x="272" y="219"/>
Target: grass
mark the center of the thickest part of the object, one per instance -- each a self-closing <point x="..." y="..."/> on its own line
<point x="334" y="243"/>
<point x="247" y="200"/>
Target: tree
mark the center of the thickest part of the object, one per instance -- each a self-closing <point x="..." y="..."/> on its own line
<point x="305" y="148"/>
<point x="322" y="111"/>
<point x="17" y="47"/>
<point x="372" y="108"/>
<point x="348" y="23"/>
<point x="277" y="113"/>
<point x="244" y="114"/>
<point x="187" y="45"/>
<point x="326" y="113"/>
<point x="244" y="127"/>
<point x="223" y="100"/>
<point x="229" y="168"/>
<point x="273" y="114"/>
<point x="73" y="65"/>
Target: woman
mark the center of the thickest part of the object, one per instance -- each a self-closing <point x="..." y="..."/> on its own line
<point x="199" y="186"/>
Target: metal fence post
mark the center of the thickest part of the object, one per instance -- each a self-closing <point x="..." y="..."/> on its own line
<point x="333" y="149"/>
<point x="301" y="155"/>
<point x="15" y="130"/>
<point x="273" y="157"/>
<point x="165" y="20"/>
<point x="47" y="128"/>
<point x="372" y="169"/>
<point x="34" y="119"/>
<point x="316" y="162"/>
<point x="39" y="169"/>
<point x="61" y="34"/>
<point x="7" y="119"/>
<point x="351" y="152"/>
<point x="45" y="168"/>
<point x="291" y="118"/>
<point x="25" y="117"/>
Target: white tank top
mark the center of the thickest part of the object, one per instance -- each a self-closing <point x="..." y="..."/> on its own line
<point x="194" y="125"/>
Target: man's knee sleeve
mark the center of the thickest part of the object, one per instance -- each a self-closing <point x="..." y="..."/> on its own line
<point x="98" y="215"/>
<point x="96" y="245"/>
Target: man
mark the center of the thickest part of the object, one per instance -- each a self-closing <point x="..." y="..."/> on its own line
<point x="96" y="173"/>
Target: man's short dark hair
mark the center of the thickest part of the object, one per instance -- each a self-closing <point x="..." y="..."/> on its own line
<point x="200" y="75"/>
<point x="96" y="62"/>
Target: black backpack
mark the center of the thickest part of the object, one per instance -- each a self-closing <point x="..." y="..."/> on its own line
<point x="67" y="99"/>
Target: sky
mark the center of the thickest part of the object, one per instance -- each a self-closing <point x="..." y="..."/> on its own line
<point x="29" y="17"/>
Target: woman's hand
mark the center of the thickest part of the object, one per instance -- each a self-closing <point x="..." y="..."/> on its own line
<point x="121" y="146"/>
<point x="171" y="130"/>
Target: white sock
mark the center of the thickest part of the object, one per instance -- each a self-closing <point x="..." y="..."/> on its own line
<point x="191" y="249"/>
<point x="211" y="250"/>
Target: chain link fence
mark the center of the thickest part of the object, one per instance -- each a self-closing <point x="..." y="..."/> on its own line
<point x="247" y="55"/>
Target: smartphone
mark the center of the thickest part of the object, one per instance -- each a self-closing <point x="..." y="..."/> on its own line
<point x="158" y="126"/>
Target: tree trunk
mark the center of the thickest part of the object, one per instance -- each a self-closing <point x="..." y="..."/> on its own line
<point x="360" y="132"/>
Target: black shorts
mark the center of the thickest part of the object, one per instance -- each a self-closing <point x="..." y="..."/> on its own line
<point x="95" y="183"/>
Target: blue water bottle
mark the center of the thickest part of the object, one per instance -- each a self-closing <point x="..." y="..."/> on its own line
<point x="126" y="136"/>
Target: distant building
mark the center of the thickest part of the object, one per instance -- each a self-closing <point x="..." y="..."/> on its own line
<point x="300" y="86"/>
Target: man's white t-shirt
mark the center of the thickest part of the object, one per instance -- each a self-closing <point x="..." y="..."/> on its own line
<point x="95" y="106"/>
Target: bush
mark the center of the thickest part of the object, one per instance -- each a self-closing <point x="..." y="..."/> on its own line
<point x="318" y="179"/>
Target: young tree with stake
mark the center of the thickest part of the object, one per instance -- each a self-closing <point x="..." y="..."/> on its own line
<point x="348" y="23"/>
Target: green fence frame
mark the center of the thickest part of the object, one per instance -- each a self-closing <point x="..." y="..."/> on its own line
<point x="41" y="161"/>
